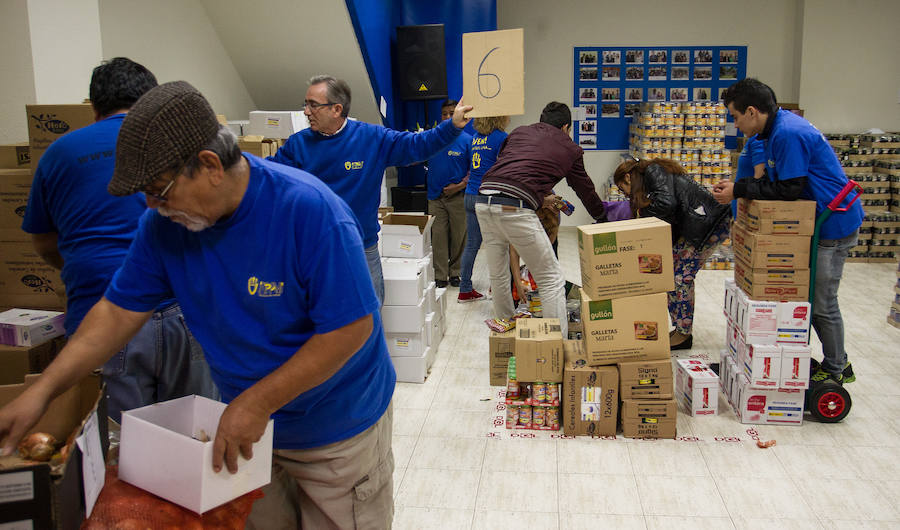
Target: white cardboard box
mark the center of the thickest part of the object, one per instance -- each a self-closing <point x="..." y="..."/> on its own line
<point x="757" y="320"/>
<point x="406" y="344"/>
<point x="159" y="453"/>
<point x="406" y="235"/>
<point x="430" y="298"/>
<point x="403" y="283"/>
<point x="794" y="319"/>
<point x="441" y="297"/>
<point x="794" y="366"/>
<point x="762" y="364"/>
<point x="276" y="123"/>
<point x="729" y="308"/>
<point x="427" y="267"/>
<point x="429" y="329"/>
<point x="697" y="386"/>
<point x="768" y="407"/>
<point x="413" y="369"/>
<point x="437" y="333"/>
<point x="30" y="327"/>
<point x="403" y="318"/>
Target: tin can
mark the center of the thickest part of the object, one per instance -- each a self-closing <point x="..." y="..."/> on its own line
<point x="551" y="417"/>
<point x="537" y="417"/>
<point x="566" y="207"/>
<point x="512" y="388"/>
<point x="553" y="392"/>
<point x="525" y="415"/>
<point x="540" y="393"/>
<point x="512" y="416"/>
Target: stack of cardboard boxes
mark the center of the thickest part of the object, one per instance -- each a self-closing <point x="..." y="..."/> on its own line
<point x="626" y="271"/>
<point x="697" y="387"/>
<point x="646" y="390"/>
<point x="413" y="311"/>
<point x="534" y="373"/>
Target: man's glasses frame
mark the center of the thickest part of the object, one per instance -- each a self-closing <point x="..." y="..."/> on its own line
<point x="315" y="105"/>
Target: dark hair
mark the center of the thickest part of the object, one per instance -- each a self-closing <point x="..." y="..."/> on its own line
<point x="750" y="92"/>
<point x="449" y="103"/>
<point x="336" y="91"/>
<point x="116" y="84"/>
<point x="636" y="168"/>
<point x="556" y="114"/>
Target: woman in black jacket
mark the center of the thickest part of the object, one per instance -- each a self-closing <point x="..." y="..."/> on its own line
<point x="661" y="188"/>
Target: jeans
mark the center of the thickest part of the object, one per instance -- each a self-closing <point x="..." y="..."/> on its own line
<point x="473" y="243"/>
<point x="502" y="226"/>
<point x="826" y="314"/>
<point x="162" y="362"/>
<point x="373" y="260"/>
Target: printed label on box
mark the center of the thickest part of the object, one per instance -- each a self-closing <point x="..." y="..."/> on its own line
<point x="15" y="487"/>
<point x="590" y="403"/>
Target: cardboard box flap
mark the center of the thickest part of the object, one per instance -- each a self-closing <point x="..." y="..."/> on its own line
<point x="573" y="353"/>
<point x="66" y="412"/>
<point x="397" y="223"/>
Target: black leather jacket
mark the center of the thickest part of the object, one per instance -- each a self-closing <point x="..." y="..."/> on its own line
<point x="687" y="206"/>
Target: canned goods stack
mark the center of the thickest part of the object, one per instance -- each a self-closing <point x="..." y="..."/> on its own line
<point x="692" y="134"/>
<point x="534" y="375"/>
<point x="884" y="246"/>
<point x="533" y="406"/>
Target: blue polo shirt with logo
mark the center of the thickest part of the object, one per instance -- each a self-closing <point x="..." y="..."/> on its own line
<point x="484" y="153"/>
<point x="449" y="166"/>
<point x="257" y="285"/>
<point x="795" y="148"/>
<point x="352" y="161"/>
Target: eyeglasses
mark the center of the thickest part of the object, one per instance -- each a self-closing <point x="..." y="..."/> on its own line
<point x="315" y="105"/>
<point x="161" y="196"/>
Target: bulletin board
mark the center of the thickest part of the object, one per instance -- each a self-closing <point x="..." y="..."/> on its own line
<point x="612" y="82"/>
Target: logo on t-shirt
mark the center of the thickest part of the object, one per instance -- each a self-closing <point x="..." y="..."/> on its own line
<point x="257" y="287"/>
<point x="348" y="165"/>
<point x="454" y="153"/>
<point x="771" y="163"/>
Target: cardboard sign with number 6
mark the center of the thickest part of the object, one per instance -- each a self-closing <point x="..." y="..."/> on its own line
<point x="494" y="72"/>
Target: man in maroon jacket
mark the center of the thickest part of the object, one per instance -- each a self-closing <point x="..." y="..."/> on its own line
<point x="532" y="160"/>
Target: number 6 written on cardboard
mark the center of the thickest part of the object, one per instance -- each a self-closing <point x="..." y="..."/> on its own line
<point x="480" y="75"/>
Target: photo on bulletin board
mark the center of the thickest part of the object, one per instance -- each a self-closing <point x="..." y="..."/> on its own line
<point x="609" y="94"/>
<point x="589" y="127"/>
<point x="728" y="56"/>
<point x="681" y="57"/>
<point x="680" y="72"/>
<point x="589" y="73"/>
<point x="657" y="73"/>
<point x="656" y="94"/>
<point x="634" y="73"/>
<point x="610" y="73"/>
<point x="609" y="110"/>
<point x="589" y="141"/>
<point x="590" y="110"/>
<point x="588" y="58"/>
<point x="631" y="109"/>
<point x="679" y="93"/>
<point x="634" y="94"/>
<point x="612" y="57"/>
<point x="703" y="72"/>
<point x="728" y="72"/>
<point x="703" y="56"/>
<point x="634" y="57"/>
<point x="701" y="94"/>
<point x="658" y="56"/>
<point x="587" y="94"/>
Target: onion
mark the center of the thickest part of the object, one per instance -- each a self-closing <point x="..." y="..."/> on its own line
<point x="38" y="446"/>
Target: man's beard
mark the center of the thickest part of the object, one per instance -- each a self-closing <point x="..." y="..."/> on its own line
<point x="191" y="222"/>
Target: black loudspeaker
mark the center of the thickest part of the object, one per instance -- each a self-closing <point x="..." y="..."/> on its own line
<point x="414" y="199"/>
<point x="421" y="62"/>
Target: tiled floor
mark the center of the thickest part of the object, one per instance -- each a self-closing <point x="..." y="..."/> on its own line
<point x="456" y="469"/>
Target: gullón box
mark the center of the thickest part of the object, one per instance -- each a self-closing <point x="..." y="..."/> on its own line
<point x="625" y="329"/>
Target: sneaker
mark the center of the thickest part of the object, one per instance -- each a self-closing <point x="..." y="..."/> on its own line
<point x="440" y="284"/>
<point x="821" y="375"/>
<point x="848" y="375"/>
<point x="471" y="296"/>
<point x="454" y="281"/>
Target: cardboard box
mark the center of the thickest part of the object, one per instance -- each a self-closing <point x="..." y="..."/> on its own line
<point x="649" y="418"/>
<point x="15" y="156"/>
<point x="794" y="366"/>
<point x="407" y="344"/>
<point x="772" y="284"/>
<point x="181" y="467"/>
<point x="729" y="307"/>
<point x="501" y="346"/>
<point x="427" y="268"/>
<point x="431" y="305"/>
<point x="440" y="296"/>
<point x="767" y="407"/>
<point x="646" y="380"/>
<point x="539" y="355"/>
<point x="17" y="360"/>
<point x="276" y="124"/>
<point x="413" y="369"/>
<point x="403" y="282"/>
<point x="625" y="329"/>
<point x="32" y="497"/>
<point x="15" y="185"/>
<point x="25" y="279"/>
<point x="590" y="400"/>
<point x="406" y="235"/>
<point x="403" y="318"/>
<point x="757" y="320"/>
<point x="574" y="353"/>
<point x="46" y="123"/>
<point x="777" y="217"/>
<point x="762" y="364"/>
<point x="259" y="145"/>
<point x="626" y="258"/>
<point x="697" y="387"/>
<point x="437" y="333"/>
<point x="794" y="320"/>
<point x="30" y="327"/>
<point x="767" y="251"/>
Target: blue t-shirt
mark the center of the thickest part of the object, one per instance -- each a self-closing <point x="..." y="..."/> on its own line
<point x="69" y="197"/>
<point x="352" y="162"/>
<point x="484" y="153"/>
<point x="753" y="154"/>
<point x="287" y="264"/>
<point x="795" y="148"/>
<point x="449" y="166"/>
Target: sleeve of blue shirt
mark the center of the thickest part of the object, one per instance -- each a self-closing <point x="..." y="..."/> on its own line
<point x="37" y="216"/>
<point x="141" y="282"/>
<point x="791" y="157"/>
<point x="288" y="154"/>
<point x="402" y="148"/>
<point x="757" y="151"/>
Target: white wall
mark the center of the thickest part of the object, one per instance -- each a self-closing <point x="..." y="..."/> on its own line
<point x="850" y="76"/>
<point x="176" y="40"/>
<point x="552" y="29"/>
<point x="17" y="88"/>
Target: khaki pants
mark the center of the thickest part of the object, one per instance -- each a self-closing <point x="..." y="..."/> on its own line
<point x="345" y="485"/>
<point x="448" y="234"/>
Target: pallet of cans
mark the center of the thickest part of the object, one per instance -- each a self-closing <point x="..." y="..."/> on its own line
<point x="531" y="405"/>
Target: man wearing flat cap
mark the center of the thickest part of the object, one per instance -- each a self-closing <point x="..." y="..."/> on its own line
<point x="268" y="266"/>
